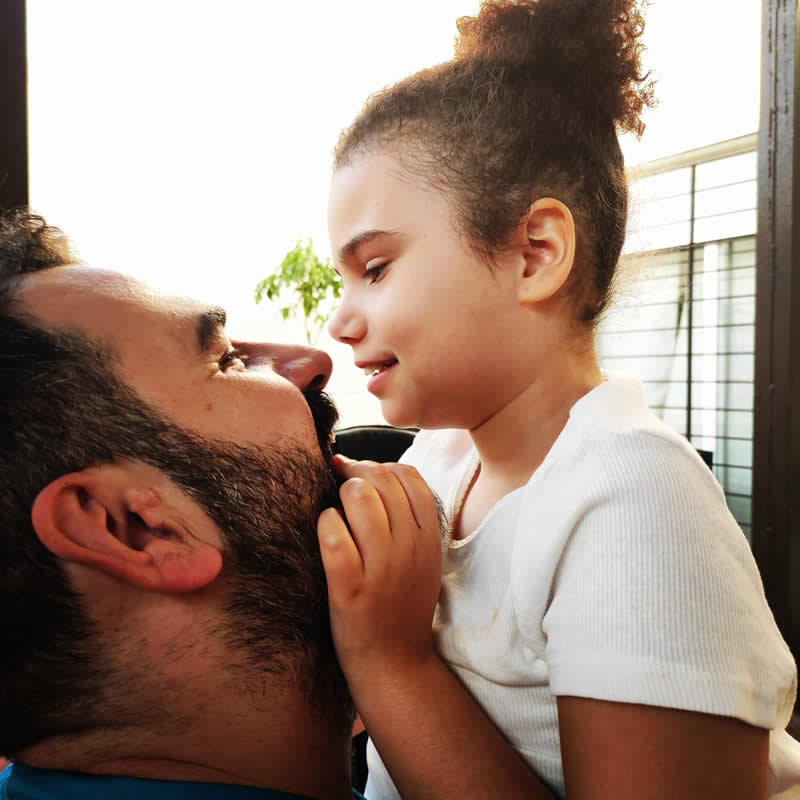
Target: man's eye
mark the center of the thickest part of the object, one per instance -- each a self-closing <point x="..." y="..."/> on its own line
<point x="373" y="274"/>
<point x="231" y="357"/>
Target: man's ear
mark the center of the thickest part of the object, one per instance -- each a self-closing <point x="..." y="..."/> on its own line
<point x="101" y="519"/>
<point x="550" y="250"/>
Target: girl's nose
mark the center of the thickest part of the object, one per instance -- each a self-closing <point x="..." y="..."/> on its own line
<point x="346" y="325"/>
<point x="305" y="367"/>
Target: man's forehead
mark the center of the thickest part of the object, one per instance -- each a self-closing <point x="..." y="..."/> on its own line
<point x="96" y="299"/>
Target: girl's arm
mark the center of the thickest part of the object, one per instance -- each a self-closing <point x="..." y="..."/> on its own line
<point x="630" y="752"/>
<point x="383" y="584"/>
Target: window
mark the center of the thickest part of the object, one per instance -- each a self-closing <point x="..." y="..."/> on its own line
<point x="684" y="320"/>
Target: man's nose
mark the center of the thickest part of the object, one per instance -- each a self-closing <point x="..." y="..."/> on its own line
<point x="305" y="367"/>
<point x="347" y="325"/>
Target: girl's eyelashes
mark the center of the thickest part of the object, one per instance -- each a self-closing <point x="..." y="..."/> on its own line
<point x="230" y="357"/>
<point x="374" y="274"/>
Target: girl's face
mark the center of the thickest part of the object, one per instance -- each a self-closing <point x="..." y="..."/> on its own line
<point x="438" y="331"/>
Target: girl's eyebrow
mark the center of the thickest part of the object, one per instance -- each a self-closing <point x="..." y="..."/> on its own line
<point x="347" y="251"/>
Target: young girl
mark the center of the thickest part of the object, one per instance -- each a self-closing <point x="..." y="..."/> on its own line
<point x="598" y="602"/>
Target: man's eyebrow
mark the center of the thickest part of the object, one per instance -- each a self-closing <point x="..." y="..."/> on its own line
<point x="348" y="250"/>
<point x="208" y="323"/>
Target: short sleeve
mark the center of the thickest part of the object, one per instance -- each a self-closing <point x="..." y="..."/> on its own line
<point x="656" y="598"/>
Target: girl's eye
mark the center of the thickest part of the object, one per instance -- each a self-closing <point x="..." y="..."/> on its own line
<point x="373" y="274"/>
<point x="230" y="358"/>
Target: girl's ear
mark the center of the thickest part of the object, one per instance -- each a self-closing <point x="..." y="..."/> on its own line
<point x="101" y="518"/>
<point x="550" y="250"/>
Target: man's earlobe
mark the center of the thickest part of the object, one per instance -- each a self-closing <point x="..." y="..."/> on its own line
<point x="96" y="519"/>
<point x="550" y="252"/>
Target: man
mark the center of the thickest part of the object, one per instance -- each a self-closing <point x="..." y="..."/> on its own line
<point x="165" y="627"/>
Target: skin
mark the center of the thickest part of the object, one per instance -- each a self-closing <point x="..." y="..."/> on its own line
<point x="415" y="710"/>
<point x="147" y="558"/>
<point x="156" y="339"/>
<point x="511" y="322"/>
<point x="497" y="353"/>
<point x="383" y="315"/>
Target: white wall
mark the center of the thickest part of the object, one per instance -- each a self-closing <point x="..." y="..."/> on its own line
<point x="188" y="141"/>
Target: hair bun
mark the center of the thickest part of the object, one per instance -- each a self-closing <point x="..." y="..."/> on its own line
<point x="588" y="51"/>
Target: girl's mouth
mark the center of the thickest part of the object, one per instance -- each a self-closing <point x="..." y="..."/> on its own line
<point x="378" y="374"/>
<point x="372" y="371"/>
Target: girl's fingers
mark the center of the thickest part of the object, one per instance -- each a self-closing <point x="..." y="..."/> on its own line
<point x="420" y="497"/>
<point x="340" y="464"/>
<point x="367" y="520"/>
<point x="343" y="565"/>
<point x="390" y="490"/>
<point x="427" y="541"/>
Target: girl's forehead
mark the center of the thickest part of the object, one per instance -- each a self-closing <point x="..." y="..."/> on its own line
<point x="373" y="171"/>
<point x="374" y="190"/>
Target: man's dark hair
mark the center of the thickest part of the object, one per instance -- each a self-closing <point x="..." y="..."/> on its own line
<point x="63" y="409"/>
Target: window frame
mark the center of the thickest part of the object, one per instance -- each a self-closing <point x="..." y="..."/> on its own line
<point x="14" y="102"/>
<point x="776" y="434"/>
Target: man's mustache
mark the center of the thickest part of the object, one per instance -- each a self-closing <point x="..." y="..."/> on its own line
<point x="325" y="415"/>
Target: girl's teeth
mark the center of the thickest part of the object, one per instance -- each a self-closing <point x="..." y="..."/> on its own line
<point x="371" y="371"/>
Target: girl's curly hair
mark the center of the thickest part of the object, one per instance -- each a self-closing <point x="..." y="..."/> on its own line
<point x="529" y="107"/>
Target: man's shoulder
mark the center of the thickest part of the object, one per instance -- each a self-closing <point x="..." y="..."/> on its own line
<point x="4" y="776"/>
<point x="21" y="782"/>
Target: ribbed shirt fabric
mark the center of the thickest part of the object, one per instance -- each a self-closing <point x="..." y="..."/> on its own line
<point x="617" y="572"/>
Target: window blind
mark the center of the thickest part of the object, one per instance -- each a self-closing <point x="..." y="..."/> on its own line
<point x="683" y="319"/>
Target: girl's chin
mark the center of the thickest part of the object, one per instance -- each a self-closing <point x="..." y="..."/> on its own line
<point x="396" y="415"/>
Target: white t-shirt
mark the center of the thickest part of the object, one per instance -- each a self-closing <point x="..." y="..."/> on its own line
<point x="618" y="573"/>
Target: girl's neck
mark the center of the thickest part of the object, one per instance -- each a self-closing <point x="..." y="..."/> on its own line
<point x="514" y="441"/>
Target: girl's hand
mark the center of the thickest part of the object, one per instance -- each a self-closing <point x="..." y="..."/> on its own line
<point x="383" y="565"/>
<point x="383" y="582"/>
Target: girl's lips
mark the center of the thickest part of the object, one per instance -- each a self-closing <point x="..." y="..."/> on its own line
<point x="370" y="368"/>
<point x="379" y="376"/>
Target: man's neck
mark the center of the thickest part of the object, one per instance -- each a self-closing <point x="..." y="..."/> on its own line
<point x="285" y="749"/>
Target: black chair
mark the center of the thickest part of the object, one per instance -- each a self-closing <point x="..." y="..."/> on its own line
<point x="707" y="456"/>
<point x="373" y="442"/>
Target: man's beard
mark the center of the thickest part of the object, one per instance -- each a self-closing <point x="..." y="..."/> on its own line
<point x="267" y="501"/>
<point x="264" y="500"/>
<point x="325" y="416"/>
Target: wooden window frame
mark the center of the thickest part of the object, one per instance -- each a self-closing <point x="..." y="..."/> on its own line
<point x="776" y="434"/>
<point x="14" y="105"/>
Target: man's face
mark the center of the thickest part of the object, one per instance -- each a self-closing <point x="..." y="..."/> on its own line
<point x="177" y="356"/>
<point x="228" y="423"/>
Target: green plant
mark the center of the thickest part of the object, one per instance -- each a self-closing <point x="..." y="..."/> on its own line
<point x="311" y="284"/>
